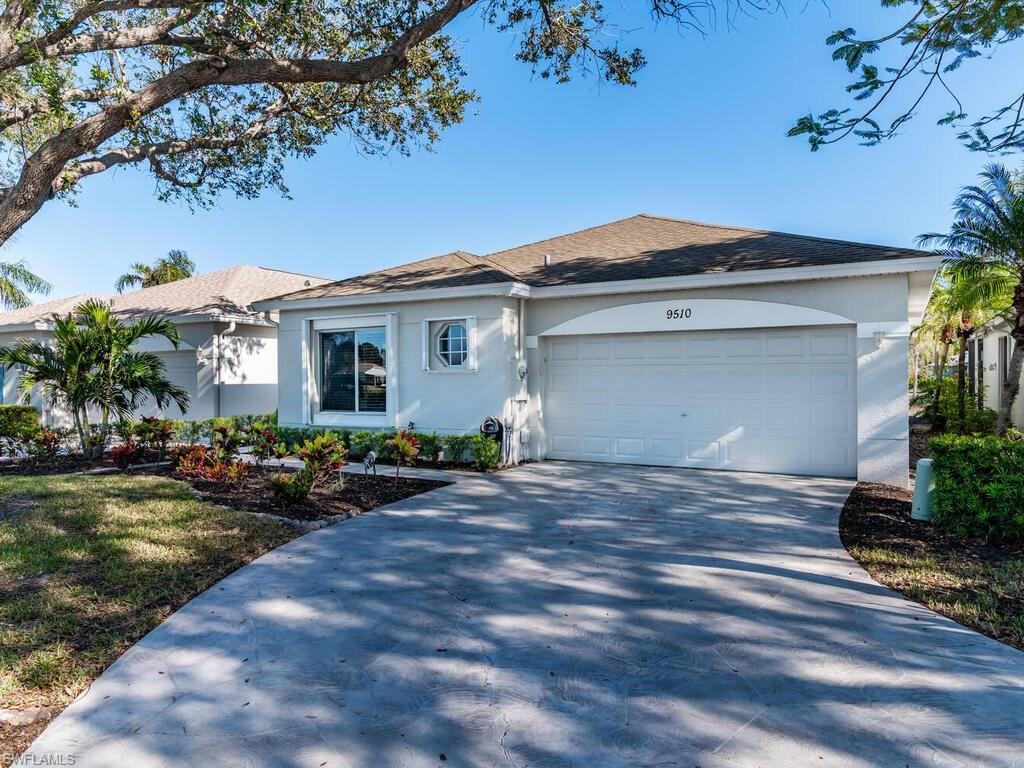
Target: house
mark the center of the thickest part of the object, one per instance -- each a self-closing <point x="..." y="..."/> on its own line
<point x="227" y="359"/>
<point x="988" y="361"/>
<point x="648" y="340"/>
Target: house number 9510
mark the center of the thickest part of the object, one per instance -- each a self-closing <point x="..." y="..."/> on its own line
<point x="678" y="314"/>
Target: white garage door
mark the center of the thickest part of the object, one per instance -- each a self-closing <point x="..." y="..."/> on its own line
<point x="779" y="400"/>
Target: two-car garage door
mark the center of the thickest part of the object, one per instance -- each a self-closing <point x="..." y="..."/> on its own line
<point x="781" y="400"/>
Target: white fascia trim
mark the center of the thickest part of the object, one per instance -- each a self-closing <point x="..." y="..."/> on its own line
<point x="519" y="290"/>
<point x="20" y="327"/>
<point x="786" y="274"/>
<point x="237" y="319"/>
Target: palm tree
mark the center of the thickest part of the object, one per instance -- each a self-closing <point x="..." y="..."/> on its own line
<point x="92" y="364"/>
<point x="176" y="265"/>
<point x="16" y="282"/>
<point x="984" y="253"/>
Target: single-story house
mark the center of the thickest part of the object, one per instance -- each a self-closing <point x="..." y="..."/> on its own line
<point x="227" y="358"/>
<point x="988" y="360"/>
<point x="648" y="340"/>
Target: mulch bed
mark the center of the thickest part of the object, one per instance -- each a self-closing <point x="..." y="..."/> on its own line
<point x="360" y="493"/>
<point x="62" y="465"/>
<point x="948" y="569"/>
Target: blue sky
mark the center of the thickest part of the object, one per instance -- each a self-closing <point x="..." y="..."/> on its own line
<point x="702" y="136"/>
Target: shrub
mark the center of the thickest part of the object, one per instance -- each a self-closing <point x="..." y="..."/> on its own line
<point x="404" y="446"/>
<point x="323" y="456"/>
<point x="381" y="443"/>
<point x="290" y="487"/>
<point x="455" y="447"/>
<point x="486" y="452"/>
<point x="361" y="443"/>
<point x="226" y="441"/>
<point x="263" y="443"/>
<point x="18" y="421"/>
<point x="979" y="483"/>
<point x="430" y="445"/>
<point x="45" y="444"/>
<point x="126" y="454"/>
<point x="155" y="433"/>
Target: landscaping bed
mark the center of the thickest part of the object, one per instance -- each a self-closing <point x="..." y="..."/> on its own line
<point x="88" y="565"/>
<point x="360" y="493"/>
<point x="977" y="584"/>
<point x="62" y="465"/>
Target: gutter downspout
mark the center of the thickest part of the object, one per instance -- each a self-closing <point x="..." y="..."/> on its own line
<point x="217" y="357"/>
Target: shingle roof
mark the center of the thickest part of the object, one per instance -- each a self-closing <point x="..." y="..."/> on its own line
<point x="42" y="312"/>
<point x="639" y="247"/>
<point x="447" y="271"/>
<point x="227" y="292"/>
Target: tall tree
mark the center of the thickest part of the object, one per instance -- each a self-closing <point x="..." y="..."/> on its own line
<point x="176" y="265"/>
<point x="933" y="38"/>
<point x="17" y="281"/>
<point x="91" y="364"/>
<point x="984" y="255"/>
<point x="213" y="95"/>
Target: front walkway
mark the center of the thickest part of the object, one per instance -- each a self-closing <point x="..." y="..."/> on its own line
<point x="559" y="615"/>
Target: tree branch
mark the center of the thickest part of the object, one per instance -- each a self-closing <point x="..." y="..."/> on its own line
<point x="42" y="105"/>
<point x="36" y="183"/>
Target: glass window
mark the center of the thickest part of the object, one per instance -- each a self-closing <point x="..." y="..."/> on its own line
<point x="353" y="371"/>
<point x="453" y="344"/>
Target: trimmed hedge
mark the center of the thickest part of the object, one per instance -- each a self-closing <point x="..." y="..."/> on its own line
<point x="979" y="485"/>
<point x="18" y="420"/>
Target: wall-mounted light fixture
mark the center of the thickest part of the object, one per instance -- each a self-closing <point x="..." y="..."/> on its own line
<point x="879" y="338"/>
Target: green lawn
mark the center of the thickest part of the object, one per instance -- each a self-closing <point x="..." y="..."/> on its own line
<point x="90" y="564"/>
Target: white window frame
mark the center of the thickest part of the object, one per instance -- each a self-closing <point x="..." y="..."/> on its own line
<point x="470" y="366"/>
<point x="312" y="329"/>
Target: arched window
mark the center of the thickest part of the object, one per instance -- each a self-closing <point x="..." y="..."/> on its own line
<point x="453" y="344"/>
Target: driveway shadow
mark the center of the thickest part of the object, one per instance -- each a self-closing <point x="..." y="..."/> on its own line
<point x="560" y="615"/>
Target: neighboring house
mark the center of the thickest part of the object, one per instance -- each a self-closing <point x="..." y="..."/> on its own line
<point x="227" y="359"/>
<point x="644" y="341"/>
<point x="988" y="360"/>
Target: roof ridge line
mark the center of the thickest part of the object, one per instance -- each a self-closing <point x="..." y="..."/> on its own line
<point x="778" y="233"/>
<point x="564" y="234"/>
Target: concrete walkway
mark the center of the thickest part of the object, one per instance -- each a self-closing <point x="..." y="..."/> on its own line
<point x="559" y="615"/>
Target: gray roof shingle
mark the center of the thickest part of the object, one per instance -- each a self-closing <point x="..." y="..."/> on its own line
<point x="639" y="247"/>
<point x="228" y="292"/>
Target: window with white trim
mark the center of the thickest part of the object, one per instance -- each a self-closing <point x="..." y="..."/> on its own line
<point x="448" y="344"/>
<point x="353" y="370"/>
<point x="453" y="344"/>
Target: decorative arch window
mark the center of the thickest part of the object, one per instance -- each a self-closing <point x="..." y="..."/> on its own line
<point x="453" y="344"/>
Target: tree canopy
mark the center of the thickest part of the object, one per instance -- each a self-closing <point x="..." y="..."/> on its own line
<point x="214" y="95"/>
<point x="176" y="265"/>
<point x="898" y="69"/>
<point x="17" y="281"/>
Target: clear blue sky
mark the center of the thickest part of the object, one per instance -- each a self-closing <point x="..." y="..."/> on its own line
<point x="702" y="136"/>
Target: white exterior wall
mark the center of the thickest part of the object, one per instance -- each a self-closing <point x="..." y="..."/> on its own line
<point x="50" y="416"/>
<point x="452" y="402"/>
<point x="993" y="392"/>
<point x="225" y="374"/>
<point x="872" y="303"/>
<point x="248" y="370"/>
<point x="456" y="401"/>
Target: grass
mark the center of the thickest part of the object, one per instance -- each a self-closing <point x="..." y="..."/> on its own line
<point x="987" y="598"/>
<point x="88" y="565"/>
<point x="976" y="584"/>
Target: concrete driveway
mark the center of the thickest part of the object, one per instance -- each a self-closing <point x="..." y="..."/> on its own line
<point x="559" y="615"/>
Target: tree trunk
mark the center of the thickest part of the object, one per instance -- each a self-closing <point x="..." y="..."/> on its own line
<point x="1012" y="386"/>
<point x="961" y="380"/>
<point x="914" y="368"/>
<point x="940" y="372"/>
